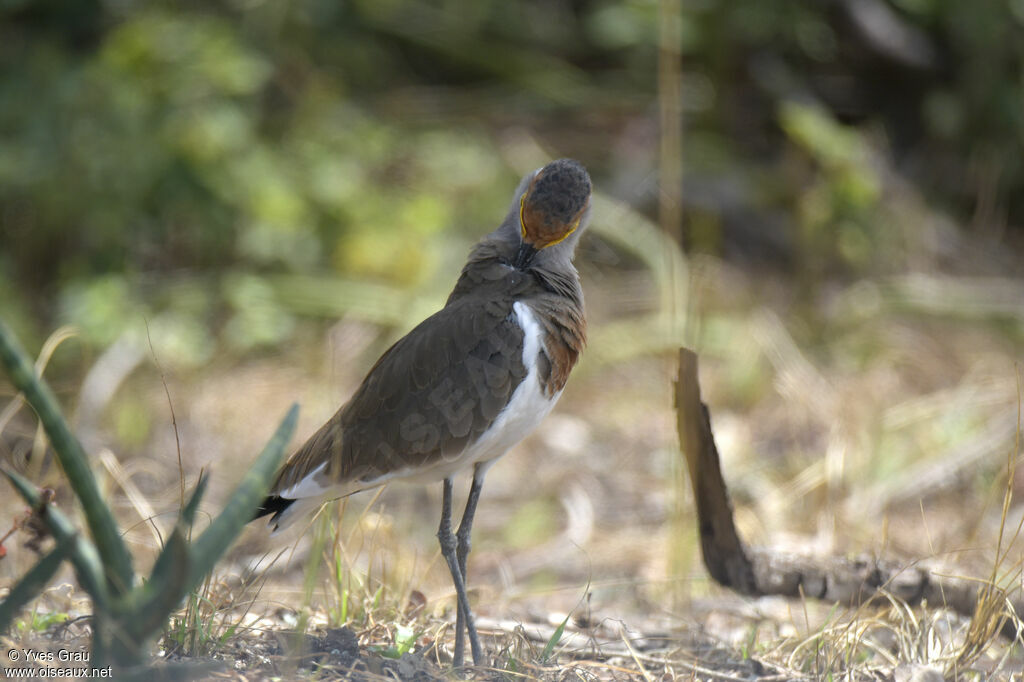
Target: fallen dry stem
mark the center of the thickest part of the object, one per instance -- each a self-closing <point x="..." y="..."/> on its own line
<point x="848" y="581"/>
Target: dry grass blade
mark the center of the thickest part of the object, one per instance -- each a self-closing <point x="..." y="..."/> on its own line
<point x="139" y="502"/>
<point x="174" y="417"/>
<point x="53" y="341"/>
<point x="990" y="613"/>
<point x="856" y="582"/>
<point x="632" y="653"/>
<point x="937" y="473"/>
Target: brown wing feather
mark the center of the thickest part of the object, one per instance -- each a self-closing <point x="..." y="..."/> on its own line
<point x="445" y="382"/>
<point x="430" y="394"/>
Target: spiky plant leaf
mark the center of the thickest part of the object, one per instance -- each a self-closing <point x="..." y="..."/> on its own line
<point x="166" y="586"/>
<point x="205" y="551"/>
<point x="188" y="512"/>
<point x="83" y="555"/>
<point x="33" y="582"/>
<point x="116" y="559"/>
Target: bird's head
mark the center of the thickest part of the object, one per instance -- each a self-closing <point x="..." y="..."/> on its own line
<point x="553" y="205"/>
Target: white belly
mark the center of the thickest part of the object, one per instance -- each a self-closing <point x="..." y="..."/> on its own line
<point x="525" y="410"/>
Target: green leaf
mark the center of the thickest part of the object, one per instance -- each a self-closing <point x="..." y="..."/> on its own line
<point x="243" y="502"/>
<point x="116" y="559"/>
<point x="405" y="639"/>
<point x="41" y="622"/>
<point x="188" y="513"/>
<point x="552" y="642"/>
<point x="33" y="582"/>
<point x="166" y="587"/>
<point x="84" y="557"/>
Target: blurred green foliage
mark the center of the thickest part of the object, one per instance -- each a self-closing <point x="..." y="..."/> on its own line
<point x="166" y="161"/>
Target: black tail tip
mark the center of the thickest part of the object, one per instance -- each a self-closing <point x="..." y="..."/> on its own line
<point x="273" y="504"/>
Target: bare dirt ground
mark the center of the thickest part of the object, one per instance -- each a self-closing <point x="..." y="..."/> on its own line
<point x="871" y="418"/>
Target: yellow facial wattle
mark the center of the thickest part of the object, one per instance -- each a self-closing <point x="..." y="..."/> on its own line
<point x="522" y="220"/>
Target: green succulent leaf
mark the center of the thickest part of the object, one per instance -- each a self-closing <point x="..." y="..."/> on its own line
<point x="188" y="513"/>
<point x="84" y="557"/>
<point x="243" y="502"/>
<point x="116" y="559"/>
<point x="33" y="582"/>
<point x="166" y="587"/>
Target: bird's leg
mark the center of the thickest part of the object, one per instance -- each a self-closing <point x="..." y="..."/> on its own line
<point x="462" y="551"/>
<point x="448" y="551"/>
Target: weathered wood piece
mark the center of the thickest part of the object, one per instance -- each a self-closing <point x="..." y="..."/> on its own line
<point x="848" y="581"/>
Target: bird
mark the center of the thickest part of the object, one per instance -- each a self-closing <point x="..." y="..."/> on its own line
<point x="468" y="382"/>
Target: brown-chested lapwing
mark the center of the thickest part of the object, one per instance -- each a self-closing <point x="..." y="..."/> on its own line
<point x="467" y="383"/>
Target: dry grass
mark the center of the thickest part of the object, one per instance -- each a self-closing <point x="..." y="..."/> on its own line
<point x="868" y="420"/>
